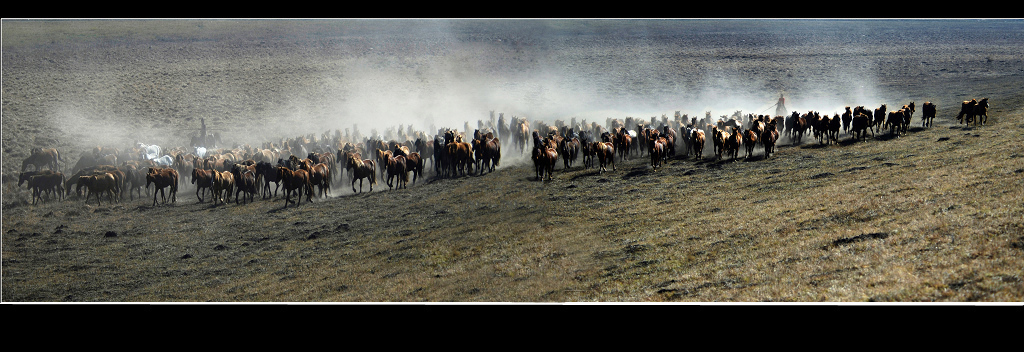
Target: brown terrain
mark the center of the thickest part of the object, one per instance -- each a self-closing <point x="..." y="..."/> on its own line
<point x="936" y="215"/>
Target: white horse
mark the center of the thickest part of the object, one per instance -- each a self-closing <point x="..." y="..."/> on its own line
<point x="150" y="152"/>
<point x="164" y="161"/>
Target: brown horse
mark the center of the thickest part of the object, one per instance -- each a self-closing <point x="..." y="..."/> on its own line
<point x="927" y="114"/>
<point x="319" y="176"/>
<point x="98" y="184"/>
<point x="697" y="141"/>
<point x="223" y="183"/>
<point x="202" y="179"/>
<point x="548" y="160"/>
<point x="267" y="172"/>
<point x="163" y="178"/>
<point x="623" y="142"/>
<point x="360" y="169"/>
<point x="733" y="142"/>
<point x="137" y="179"/>
<point x="246" y="182"/>
<point x="768" y="138"/>
<point x="382" y="159"/>
<point x="460" y="156"/>
<point x="295" y="181"/>
<point x="397" y="169"/>
<point x="847" y="119"/>
<point x="879" y="118"/>
<point x="656" y="149"/>
<point x="981" y="111"/>
<point x="750" y="139"/>
<point x="42" y="157"/>
<point x="414" y="164"/>
<point x="861" y="124"/>
<point x="895" y="122"/>
<point x="605" y="155"/>
<point x="48" y="182"/>
<point x="570" y="150"/>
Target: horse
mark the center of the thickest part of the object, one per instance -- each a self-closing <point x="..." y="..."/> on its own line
<point x="492" y="151"/>
<point x="750" y="139"/>
<point x="733" y="142"/>
<point x="48" y="182"/>
<point x="319" y="176"/>
<point x="163" y="178"/>
<point x="623" y="142"/>
<point x="98" y="184"/>
<point x="569" y="149"/>
<point x="768" y="138"/>
<point x="223" y="181"/>
<point x="268" y="173"/>
<point x="295" y="181"/>
<point x="203" y="179"/>
<point x="42" y="157"/>
<point x="847" y="119"/>
<point x="360" y="169"/>
<point x="861" y="124"/>
<point x="697" y="141"/>
<point x="548" y="159"/>
<point x="137" y="179"/>
<point x="656" y="150"/>
<point x="895" y="122"/>
<point x="396" y="166"/>
<point x="414" y="164"/>
<point x="981" y="111"/>
<point x="426" y="150"/>
<point x="927" y="114"/>
<point x="605" y="155"/>
<point x="246" y="182"/>
<point x="879" y="119"/>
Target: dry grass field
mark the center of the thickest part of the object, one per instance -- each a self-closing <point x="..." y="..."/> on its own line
<point x="936" y="215"/>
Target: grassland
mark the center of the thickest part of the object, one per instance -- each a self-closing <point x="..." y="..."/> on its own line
<point x="933" y="216"/>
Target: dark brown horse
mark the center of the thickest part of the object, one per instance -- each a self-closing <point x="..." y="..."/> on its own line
<point x="927" y="114"/>
<point x="414" y="164"/>
<point x="50" y="182"/>
<point x="319" y="176"/>
<point x="570" y="150"/>
<point x="768" y="138"/>
<point x="656" y="149"/>
<point x="981" y="111"/>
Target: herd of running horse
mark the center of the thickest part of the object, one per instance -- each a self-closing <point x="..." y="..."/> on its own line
<point x="296" y="166"/>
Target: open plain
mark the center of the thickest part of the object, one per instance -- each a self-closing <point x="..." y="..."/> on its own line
<point x="936" y="215"/>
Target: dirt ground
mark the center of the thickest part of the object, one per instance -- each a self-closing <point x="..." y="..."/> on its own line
<point x="936" y="215"/>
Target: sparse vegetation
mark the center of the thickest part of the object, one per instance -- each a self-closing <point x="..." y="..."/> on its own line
<point x="935" y="215"/>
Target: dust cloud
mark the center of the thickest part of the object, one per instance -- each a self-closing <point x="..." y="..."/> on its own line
<point x="441" y="74"/>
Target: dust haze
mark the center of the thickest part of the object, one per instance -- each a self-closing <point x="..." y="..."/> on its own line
<point x="447" y="73"/>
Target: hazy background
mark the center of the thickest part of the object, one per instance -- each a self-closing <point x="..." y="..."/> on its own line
<point x="117" y="82"/>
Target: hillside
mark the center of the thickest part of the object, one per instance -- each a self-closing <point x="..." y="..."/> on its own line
<point x="931" y="216"/>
